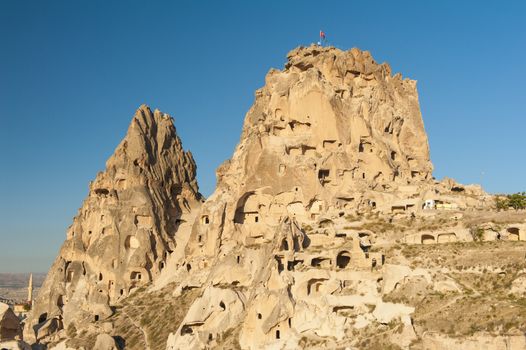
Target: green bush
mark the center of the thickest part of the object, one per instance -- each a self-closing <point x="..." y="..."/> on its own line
<point x="516" y="201"/>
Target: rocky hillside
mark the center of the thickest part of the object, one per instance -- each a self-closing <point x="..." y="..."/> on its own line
<point x="326" y="230"/>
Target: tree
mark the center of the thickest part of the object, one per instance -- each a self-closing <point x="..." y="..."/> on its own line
<point x="517" y="201"/>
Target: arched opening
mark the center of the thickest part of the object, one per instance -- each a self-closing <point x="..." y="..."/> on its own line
<point x="343" y="259"/>
<point x="513" y="234"/>
<point x="320" y="262"/>
<point x="100" y="276"/>
<point x="446" y="237"/>
<point x="96" y="318"/>
<point x="222" y="305"/>
<point x="188" y="267"/>
<point x="277" y="334"/>
<point x="314" y="285"/>
<point x="427" y="239"/>
<point x="131" y="243"/>
<point x="205" y="219"/>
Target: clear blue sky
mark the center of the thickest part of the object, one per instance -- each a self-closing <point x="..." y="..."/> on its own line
<point x="72" y="74"/>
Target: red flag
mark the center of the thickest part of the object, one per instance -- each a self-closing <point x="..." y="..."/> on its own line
<point x="322" y="35"/>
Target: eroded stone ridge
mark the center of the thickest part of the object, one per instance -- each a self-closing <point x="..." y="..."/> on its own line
<point x="125" y="230"/>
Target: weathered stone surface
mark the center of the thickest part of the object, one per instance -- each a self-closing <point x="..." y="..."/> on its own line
<point x="331" y="134"/>
<point x="331" y="177"/>
<point x="14" y="345"/>
<point x="9" y="324"/>
<point x="125" y="230"/>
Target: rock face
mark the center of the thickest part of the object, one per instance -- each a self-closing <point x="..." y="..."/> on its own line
<point x="331" y="125"/>
<point x="308" y="241"/>
<point x="125" y="230"/>
<point x="331" y="134"/>
<point x="9" y="324"/>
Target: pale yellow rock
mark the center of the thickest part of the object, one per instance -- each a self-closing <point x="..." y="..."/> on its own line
<point x="124" y="233"/>
<point x="9" y="324"/>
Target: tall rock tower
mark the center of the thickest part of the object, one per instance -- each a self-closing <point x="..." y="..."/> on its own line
<point x="333" y="135"/>
<point x="126" y="229"/>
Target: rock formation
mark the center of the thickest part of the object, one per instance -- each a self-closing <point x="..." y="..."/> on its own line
<point x="124" y="231"/>
<point x="308" y="241"/>
<point x="9" y="324"/>
<point x="332" y="133"/>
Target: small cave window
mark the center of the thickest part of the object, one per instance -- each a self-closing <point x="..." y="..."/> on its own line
<point x="135" y="275"/>
<point x="343" y="259"/>
<point x="360" y="148"/>
<point x="186" y="329"/>
<point x="277" y="334"/>
<point x="205" y="219"/>
<point x="222" y="305"/>
<point x="69" y="276"/>
<point x="161" y="265"/>
<point x="101" y="191"/>
<point x="42" y="317"/>
<point x="100" y="276"/>
<point x="323" y="173"/>
<point x="260" y="316"/>
<point x="96" y="318"/>
<point x="238" y="259"/>
<point x="188" y="267"/>
<point x="122" y="292"/>
<point x="256" y="218"/>
<point x="363" y="175"/>
<point x="199" y="238"/>
<point x="393" y="155"/>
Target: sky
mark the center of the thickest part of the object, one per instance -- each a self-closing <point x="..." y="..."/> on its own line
<point x="72" y="74"/>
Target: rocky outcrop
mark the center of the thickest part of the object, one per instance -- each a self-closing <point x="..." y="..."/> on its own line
<point x="126" y="229"/>
<point x="332" y="172"/>
<point x="9" y="324"/>
<point x="332" y="134"/>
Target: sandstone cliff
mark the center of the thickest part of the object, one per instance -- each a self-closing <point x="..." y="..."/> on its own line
<point x="124" y="231"/>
